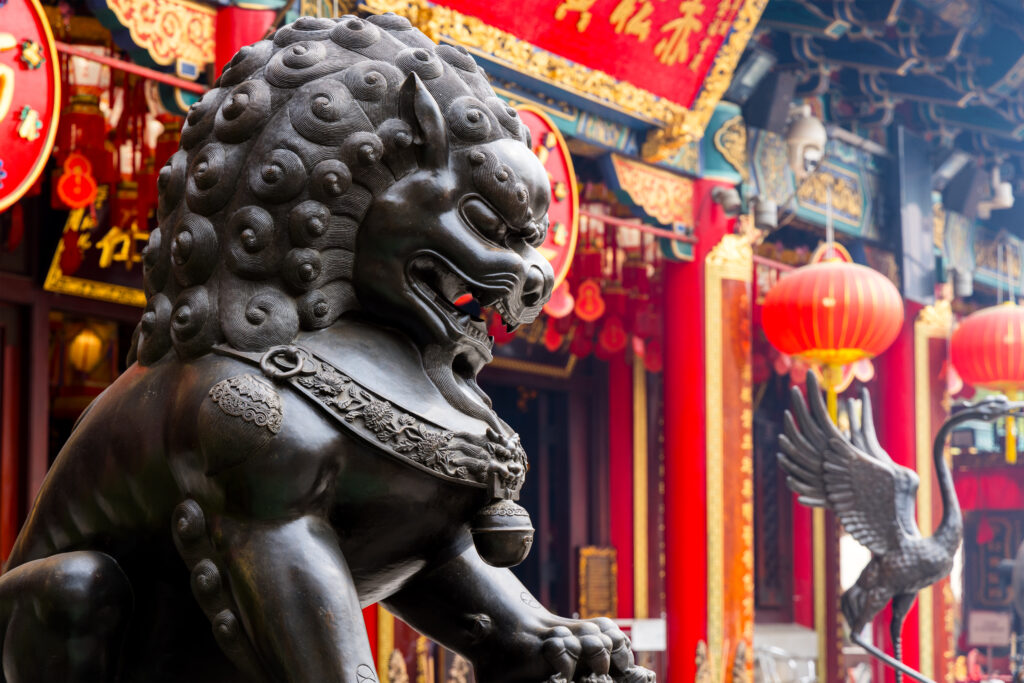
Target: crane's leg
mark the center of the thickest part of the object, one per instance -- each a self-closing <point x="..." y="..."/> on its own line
<point x="901" y="604"/>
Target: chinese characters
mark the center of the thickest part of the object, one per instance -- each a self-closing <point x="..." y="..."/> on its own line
<point x="678" y="32"/>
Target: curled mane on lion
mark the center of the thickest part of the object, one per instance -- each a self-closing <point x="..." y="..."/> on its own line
<point x="278" y="165"/>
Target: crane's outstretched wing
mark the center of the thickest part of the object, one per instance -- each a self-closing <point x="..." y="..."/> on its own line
<point x="872" y="496"/>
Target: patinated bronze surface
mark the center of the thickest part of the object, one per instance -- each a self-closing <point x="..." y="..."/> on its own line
<point x="301" y="433"/>
<point x="875" y="499"/>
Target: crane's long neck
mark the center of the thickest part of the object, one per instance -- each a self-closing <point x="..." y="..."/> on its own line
<point x="951" y="528"/>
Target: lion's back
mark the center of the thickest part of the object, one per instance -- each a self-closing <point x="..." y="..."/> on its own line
<point x="110" y="485"/>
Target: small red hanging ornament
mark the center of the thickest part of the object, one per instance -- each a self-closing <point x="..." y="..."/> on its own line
<point x="147" y="177"/>
<point x="125" y="204"/>
<point x="613" y="337"/>
<point x="581" y="346"/>
<point x="561" y="302"/>
<point x="654" y="359"/>
<point x="76" y="187"/>
<point x="589" y="262"/>
<point x="71" y="255"/>
<point x="589" y="303"/>
<point x="985" y="534"/>
<point x="615" y="299"/>
<point x="563" y="325"/>
<point x="167" y="143"/>
<point x="634" y="275"/>
<point x="552" y="339"/>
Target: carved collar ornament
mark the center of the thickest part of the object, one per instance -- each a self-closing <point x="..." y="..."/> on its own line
<point x="494" y="462"/>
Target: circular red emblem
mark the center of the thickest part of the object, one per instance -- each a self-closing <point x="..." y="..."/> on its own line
<point x="76" y="187"/>
<point x="29" y="96"/>
<point x="550" y="148"/>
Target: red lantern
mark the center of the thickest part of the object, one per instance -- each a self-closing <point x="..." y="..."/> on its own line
<point x="988" y="351"/>
<point x="834" y="313"/>
<point x="988" y="348"/>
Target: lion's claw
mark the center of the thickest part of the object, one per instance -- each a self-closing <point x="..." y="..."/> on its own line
<point x="638" y="674"/>
<point x="593" y="651"/>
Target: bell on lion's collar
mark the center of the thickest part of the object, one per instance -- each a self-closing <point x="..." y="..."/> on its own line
<point x="503" y="533"/>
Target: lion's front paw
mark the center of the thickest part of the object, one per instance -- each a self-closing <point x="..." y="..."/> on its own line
<point x="593" y="651"/>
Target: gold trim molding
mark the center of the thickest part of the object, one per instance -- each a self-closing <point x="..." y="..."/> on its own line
<point x="385" y="644"/>
<point x="730" y="259"/>
<point x="533" y="368"/>
<point x="640" y="483"/>
<point x="933" y="322"/>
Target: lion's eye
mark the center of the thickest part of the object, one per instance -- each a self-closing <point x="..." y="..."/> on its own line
<point x="485" y="220"/>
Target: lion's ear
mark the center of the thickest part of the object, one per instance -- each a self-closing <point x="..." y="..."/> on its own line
<point x="420" y="111"/>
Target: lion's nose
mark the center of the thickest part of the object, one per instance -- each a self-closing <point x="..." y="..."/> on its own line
<point x="537" y="287"/>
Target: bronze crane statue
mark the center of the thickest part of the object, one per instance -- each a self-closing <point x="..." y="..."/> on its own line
<point x="874" y="499"/>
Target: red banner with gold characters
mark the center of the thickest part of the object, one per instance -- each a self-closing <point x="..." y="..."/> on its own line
<point x="671" y="43"/>
<point x="29" y="96"/>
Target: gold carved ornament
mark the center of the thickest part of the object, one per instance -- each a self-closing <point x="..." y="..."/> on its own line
<point x="170" y="30"/>
<point x="397" y="671"/>
<point x="691" y="123"/>
<point x="847" y="195"/>
<point x="666" y="197"/>
<point x="731" y="142"/>
<point x="732" y="258"/>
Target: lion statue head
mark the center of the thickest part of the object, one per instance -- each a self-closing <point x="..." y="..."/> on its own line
<point x="346" y="166"/>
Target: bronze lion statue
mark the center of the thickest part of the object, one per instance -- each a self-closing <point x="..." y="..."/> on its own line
<point x="300" y="433"/>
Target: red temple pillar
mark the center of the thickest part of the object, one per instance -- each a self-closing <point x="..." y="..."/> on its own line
<point x="236" y="28"/>
<point x="894" y="408"/>
<point x="620" y="485"/>
<point x="686" y="501"/>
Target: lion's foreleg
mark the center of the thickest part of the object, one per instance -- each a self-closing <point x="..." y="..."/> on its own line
<point x="488" y="616"/>
<point x="289" y="587"/>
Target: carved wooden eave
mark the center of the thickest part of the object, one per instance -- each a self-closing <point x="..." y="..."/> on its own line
<point x="675" y="126"/>
<point x="666" y="197"/>
<point x="928" y="63"/>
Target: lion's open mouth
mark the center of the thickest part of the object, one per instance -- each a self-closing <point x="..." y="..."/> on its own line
<point x="459" y="299"/>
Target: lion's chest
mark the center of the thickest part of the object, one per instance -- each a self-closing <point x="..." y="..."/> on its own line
<point x="392" y="519"/>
